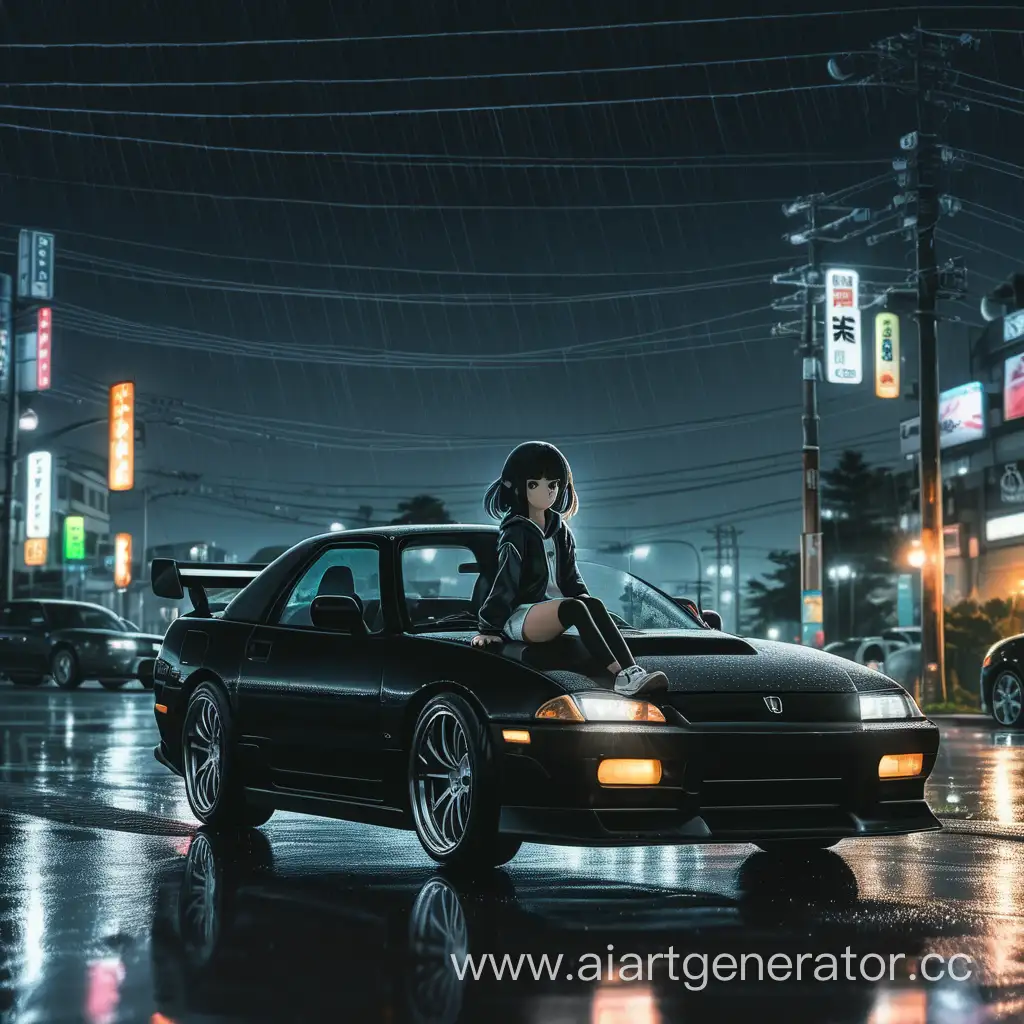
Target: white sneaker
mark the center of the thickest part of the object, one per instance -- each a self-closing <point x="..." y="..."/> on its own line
<point x="636" y="680"/>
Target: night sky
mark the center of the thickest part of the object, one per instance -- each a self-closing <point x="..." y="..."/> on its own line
<point x="363" y="257"/>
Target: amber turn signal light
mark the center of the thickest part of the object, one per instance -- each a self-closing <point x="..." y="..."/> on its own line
<point x="900" y="766"/>
<point x="629" y="771"/>
<point x="161" y="708"/>
<point x="515" y="735"/>
<point x="561" y="709"/>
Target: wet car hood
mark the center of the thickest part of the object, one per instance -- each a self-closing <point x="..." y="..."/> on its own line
<point x="705" y="661"/>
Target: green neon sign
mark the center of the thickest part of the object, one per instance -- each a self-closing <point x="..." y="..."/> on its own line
<point x="74" y="539"/>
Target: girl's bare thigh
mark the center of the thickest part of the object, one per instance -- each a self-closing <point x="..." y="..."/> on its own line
<point x="541" y="623"/>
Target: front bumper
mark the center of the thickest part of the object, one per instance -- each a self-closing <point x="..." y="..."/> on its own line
<point x="722" y="783"/>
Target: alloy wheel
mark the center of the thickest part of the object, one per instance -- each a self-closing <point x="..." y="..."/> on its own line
<point x="204" y="734"/>
<point x="443" y="778"/>
<point x="63" y="668"/>
<point x="1006" y="699"/>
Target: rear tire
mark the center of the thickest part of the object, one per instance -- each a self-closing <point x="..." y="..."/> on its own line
<point x="453" y="787"/>
<point x="213" y="782"/>
<point x="112" y="684"/>
<point x="64" y="668"/>
<point x="29" y="680"/>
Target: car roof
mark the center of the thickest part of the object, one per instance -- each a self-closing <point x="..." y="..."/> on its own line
<point x="402" y="530"/>
<point x="61" y="600"/>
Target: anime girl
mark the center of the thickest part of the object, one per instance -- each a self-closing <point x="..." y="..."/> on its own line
<point x="538" y="592"/>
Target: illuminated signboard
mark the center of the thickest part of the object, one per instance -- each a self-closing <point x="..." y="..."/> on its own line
<point x="121" y="473"/>
<point x="961" y="419"/>
<point x="74" y="539"/>
<point x="1013" y="387"/>
<point x="844" y="359"/>
<point x="39" y="485"/>
<point x="35" y="552"/>
<point x="887" y="355"/>
<point x="44" y="343"/>
<point x="122" y="560"/>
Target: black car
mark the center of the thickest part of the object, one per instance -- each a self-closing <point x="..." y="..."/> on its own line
<point x="1002" y="689"/>
<point x="72" y="641"/>
<point x="341" y="681"/>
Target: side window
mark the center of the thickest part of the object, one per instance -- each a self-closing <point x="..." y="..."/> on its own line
<point x="873" y="654"/>
<point x="24" y="616"/>
<point x="435" y="589"/>
<point x="340" y="572"/>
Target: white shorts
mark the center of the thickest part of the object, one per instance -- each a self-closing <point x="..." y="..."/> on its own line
<point x="513" y="629"/>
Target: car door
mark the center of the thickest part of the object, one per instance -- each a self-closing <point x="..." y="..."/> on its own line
<point x="23" y="644"/>
<point x="311" y="699"/>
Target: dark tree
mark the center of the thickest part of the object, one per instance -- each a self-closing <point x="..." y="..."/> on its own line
<point x="424" y="508"/>
<point x="860" y="516"/>
<point x="775" y="599"/>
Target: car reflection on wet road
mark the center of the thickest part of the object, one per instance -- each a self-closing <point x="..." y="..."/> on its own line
<point x="114" y="907"/>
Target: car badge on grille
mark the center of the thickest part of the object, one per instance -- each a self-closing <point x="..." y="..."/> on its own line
<point x="774" y="705"/>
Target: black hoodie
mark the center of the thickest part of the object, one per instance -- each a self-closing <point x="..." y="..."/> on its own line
<point x="522" y="576"/>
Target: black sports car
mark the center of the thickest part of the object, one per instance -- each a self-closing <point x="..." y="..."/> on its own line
<point x="341" y="681"/>
<point x="72" y="641"/>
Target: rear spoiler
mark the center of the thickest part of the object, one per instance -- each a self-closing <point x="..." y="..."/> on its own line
<point x="170" y="579"/>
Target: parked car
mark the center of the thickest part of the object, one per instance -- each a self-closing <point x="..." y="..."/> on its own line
<point x="904" y="665"/>
<point x="1002" y="690"/>
<point x="72" y="641"/>
<point x="903" y="634"/>
<point x="871" y="651"/>
<point x="333" y="684"/>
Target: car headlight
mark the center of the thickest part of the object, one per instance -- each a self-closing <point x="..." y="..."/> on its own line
<point x="599" y="708"/>
<point x="877" y="706"/>
<point x="121" y="645"/>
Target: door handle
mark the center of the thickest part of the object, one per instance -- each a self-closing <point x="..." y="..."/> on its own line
<point x="258" y="650"/>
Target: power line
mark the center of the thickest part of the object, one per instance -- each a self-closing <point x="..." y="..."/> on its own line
<point x="413" y="79"/>
<point x="342" y="205"/>
<point x="213" y="115"/>
<point x="512" y="31"/>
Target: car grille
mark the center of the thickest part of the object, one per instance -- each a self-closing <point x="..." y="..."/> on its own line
<point x="752" y="707"/>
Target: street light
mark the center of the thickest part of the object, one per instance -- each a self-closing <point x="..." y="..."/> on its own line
<point x="773" y="632"/>
<point x="916" y="556"/>
<point x="337" y="527"/>
<point x="839" y="574"/>
<point x="28" y="420"/>
<point x="642" y="551"/>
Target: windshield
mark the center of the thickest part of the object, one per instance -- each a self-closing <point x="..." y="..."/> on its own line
<point x="443" y="589"/>
<point x="631" y="602"/>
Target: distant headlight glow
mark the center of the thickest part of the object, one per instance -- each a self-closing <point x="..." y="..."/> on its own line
<point x="877" y="706"/>
<point x="121" y="645"/>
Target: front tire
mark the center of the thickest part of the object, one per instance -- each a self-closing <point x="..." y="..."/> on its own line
<point x="453" y="787"/>
<point x="64" y="669"/>
<point x="1007" y="698"/>
<point x="213" y="782"/>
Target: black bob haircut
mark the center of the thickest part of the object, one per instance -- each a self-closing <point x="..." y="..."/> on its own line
<point x="531" y="461"/>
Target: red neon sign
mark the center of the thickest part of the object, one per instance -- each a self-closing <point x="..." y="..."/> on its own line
<point x="44" y="340"/>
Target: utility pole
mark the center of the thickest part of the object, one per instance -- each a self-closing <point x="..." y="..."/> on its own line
<point x="734" y="538"/>
<point x="10" y="367"/>
<point x="918" y="63"/>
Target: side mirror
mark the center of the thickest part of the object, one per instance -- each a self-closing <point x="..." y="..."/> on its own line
<point x="337" y="615"/>
<point x="713" y="619"/>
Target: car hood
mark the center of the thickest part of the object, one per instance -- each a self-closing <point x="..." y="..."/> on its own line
<point x="704" y="662"/>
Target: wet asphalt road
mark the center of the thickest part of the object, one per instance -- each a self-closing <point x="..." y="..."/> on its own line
<point x="113" y="907"/>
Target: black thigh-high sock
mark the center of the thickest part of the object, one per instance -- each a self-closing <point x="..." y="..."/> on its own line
<point x="574" y="613"/>
<point x="612" y="637"/>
